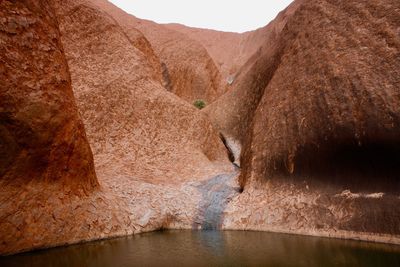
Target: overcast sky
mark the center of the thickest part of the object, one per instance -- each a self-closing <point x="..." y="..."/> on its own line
<point x="223" y="15"/>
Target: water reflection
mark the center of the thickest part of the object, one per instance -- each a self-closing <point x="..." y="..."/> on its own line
<point x="213" y="248"/>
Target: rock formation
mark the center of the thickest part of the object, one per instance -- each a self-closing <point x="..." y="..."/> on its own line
<point x="188" y="70"/>
<point x="150" y="147"/>
<point x="346" y="99"/>
<point x="129" y="116"/>
<point x="309" y="109"/>
<point x="43" y="138"/>
<point x="229" y="50"/>
<point x="225" y="48"/>
<point x="319" y="123"/>
<point x="232" y="113"/>
<point x="43" y="144"/>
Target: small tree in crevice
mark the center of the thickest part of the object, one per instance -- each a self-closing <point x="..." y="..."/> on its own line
<point x="199" y="103"/>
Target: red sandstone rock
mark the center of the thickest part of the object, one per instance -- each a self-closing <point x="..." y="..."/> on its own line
<point x="225" y="48"/>
<point x="232" y="113"/>
<point x="43" y="138"/>
<point x="150" y="147"/>
<point x="188" y="70"/>
<point x="324" y="91"/>
<point x="317" y="113"/>
<point x="318" y="84"/>
<point x="43" y="143"/>
<point x="132" y="122"/>
<point x="229" y="50"/>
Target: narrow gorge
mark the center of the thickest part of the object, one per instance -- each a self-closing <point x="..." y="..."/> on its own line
<point x="99" y="136"/>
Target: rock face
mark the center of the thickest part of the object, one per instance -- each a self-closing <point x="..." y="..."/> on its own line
<point x="311" y="115"/>
<point x="188" y="70"/>
<point x="129" y="116"/>
<point x="232" y="113"/>
<point x="43" y="138"/>
<point x="43" y="143"/>
<point x="319" y="123"/>
<point x="225" y="48"/>
<point x="344" y="103"/>
<point x="229" y="50"/>
<point x="153" y="151"/>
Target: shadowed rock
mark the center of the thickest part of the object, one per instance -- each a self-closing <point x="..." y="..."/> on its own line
<point x="43" y="145"/>
<point x="317" y="112"/>
<point x="334" y="92"/>
<point x="134" y="125"/>
<point x="42" y="136"/>
<point x="311" y="117"/>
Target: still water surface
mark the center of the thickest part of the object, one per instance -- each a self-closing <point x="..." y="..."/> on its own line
<point x="213" y="248"/>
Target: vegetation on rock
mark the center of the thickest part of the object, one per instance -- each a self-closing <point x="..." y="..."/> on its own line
<point x="199" y="103"/>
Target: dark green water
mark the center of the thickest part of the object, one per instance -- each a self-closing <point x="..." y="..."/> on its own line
<point x="213" y="248"/>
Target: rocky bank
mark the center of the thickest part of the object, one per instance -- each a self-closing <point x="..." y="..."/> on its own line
<point x="99" y="137"/>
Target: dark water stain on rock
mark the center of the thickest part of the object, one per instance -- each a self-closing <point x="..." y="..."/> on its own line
<point x="216" y="192"/>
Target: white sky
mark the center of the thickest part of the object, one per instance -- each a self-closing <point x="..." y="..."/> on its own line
<point x="223" y="15"/>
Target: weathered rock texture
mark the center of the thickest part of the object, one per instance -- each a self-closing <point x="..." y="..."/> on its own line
<point x="229" y="50"/>
<point x="335" y="91"/>
<point x="187" y="69"/>
<point x="130" y="118"/>
<point x="43" y="146"/>
<point x="153" y="152"/>
<point x="43" y="137"/>
<point x="233" y="112"/>
<point x="311" y="115"/>
<point x="317" y="114"/>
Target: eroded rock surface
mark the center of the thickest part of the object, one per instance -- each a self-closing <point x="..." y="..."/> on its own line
<point x="319" y="124"/>
<point x="133" y="124"/>
<point x="311" y="116"/>
<point x="232" y="113"/>
<point x="43" y="147"/>
<point x="149" y="145"/>
<point x="188" y="70"/>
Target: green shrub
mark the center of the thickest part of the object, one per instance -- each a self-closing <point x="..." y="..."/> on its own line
<point x="199" y="103"/>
